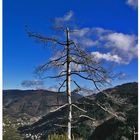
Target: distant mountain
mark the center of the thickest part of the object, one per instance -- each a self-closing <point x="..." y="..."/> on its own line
<point x="32" y="103"/>
<point x="113" y="114"/>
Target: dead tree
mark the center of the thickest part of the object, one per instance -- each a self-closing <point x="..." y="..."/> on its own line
<point x="72" y="61"/>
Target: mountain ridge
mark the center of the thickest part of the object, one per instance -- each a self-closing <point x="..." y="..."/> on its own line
<point x="123" y="95"/>
<point x="32" y="102"/>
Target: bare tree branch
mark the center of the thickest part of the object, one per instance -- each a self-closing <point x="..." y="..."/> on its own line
<point x="106" y="110"/>
<point x="59" y="108"/>
<point x="90" y="67"/>
<point x="90" y="79"/>
<point x="64" y="126"/>
<point x="45" y="39"/>
<point x="79" y="108"/>
<point x="56" y="60"/>
<point x="55" y="105"/>
<point x="107" y="95"/>
<point x="53" y="77"/>
<point x="76" y="84"/>
<point x="61" y="85"/>
<point x="85" y="116"/>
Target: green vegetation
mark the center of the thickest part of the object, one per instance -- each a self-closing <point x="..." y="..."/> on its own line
<point x="61" y="137"/>
<point x="10" y="131"/>
<point x="11" y="134"/>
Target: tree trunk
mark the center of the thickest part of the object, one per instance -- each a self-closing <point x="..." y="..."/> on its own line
<point x="68" y="86"/>
<point x="70" y="110"/>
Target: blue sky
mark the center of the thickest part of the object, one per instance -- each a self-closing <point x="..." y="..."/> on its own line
<point x="22" y="54"/>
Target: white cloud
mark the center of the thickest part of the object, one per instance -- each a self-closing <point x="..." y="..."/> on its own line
<point x="122" y="41"/>
<point x="32" y="83"/>
<point x="119" y="45"/>
<point x="88" y="37"/>
<point x="88" y="42"/>
<point x="132" y="3"/>
<point x="87" y="32"/>
<point x="64" y="21"/>
<point x="123" y="45"/>
<point x="81" y="32"/>
<point x="122" y="76"/>
<point x="85" y="36"/>
<point x="75" y="67"/>
<point x="67" y="17"/>
<point x="54" y="89"/>
<point x="107" y="56"/>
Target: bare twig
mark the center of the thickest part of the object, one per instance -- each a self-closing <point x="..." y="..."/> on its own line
<point x="79" y="108"/>
<point x="106" y="110"/>
<point x="55" y="105"/>
<point x="86" y="78"/>
<point x="45" y="39"/>
<point x="85" y="116"/>
<point x="76" y="84"/>
<point x="57" y="76"/>
<point x="59" y="108"/>
<point x="64" y="126"/>
<point x="61" y="85"/>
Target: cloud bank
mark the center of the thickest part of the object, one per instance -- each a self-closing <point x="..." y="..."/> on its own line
<point x="121" y="48"/>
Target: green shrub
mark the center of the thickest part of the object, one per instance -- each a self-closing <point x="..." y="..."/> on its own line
<point x="61" y="137"/>
<point x="11" y="134"/>
<point x="10" y="131"/>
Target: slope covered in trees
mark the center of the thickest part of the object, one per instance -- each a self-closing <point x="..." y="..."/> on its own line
<point x="113" y="113"/>
<point x="32" y="103"/>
